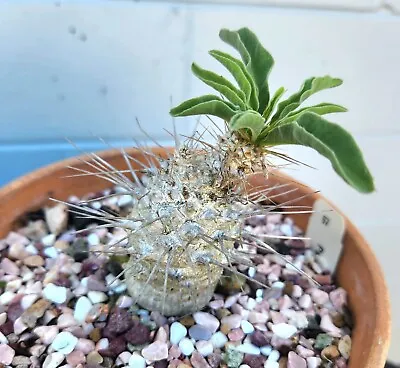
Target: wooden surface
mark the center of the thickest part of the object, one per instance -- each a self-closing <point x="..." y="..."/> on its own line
<point x="358" y="270"/>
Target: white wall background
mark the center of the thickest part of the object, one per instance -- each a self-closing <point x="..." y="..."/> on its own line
<point x="84" y="69"/>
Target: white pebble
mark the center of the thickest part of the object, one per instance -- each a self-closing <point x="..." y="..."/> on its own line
<point x="248" y="348"/>
<point x="251" y="272"/>
<point x="328" y="326"/>
<point x="251" y="304"/>
<point x="3" y="318"/>
<point x="19" y="326"/>
<point x="28" y="300"/>
<point x="247" y="327"/>
<point x="120" y="288"/>
<point x="305" y="301"/>
<point x="97" y="297"/>
<point x="284" y="330"/>
<point x="137" y="361"/>
<point x="102" y="344"/>
<point x="177" y="332"/>
<point x="51" y="252"/>
<point x="47" y="334"/>
<point x="244" y="366"/>
<point x="205" y="348"/>
<point x="274" y="356"/>
<point x="54" y="293"/>
<point x="93" y="239"/>
<point x="259" y="293"/>
<point x="6" y="297"/>
<point x="49" y="240"/>
<point x="66" y="320"/>
<point x="313" y="362"/>
<point x="206" y="320"/>
<point x="64" y="342"/>
<point x="278" y="285"/>
<point x="31" y="249"/>
<point x="53" y="360"/>
<point x="271" y="364"/>
<point x="3" y="339"/>
<point x="266" y="350"/>
<point x="286" y="229"/>
<point x="219" y="340"/>
<point x="82" y="308"/>
<point x="186" y="346"/>
<point x="297" y="291"/>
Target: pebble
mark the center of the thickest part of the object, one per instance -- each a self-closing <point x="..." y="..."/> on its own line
<point x="75" y="358"/>
<point x="284" y="330"/>
<point x="94" y="358"/>
<point x="156" y="351"/>
<point x="258" y="338"/>
<point x="232" y="321"/>
<point x="344" y="346"/>
<point x="137" y="361"/>
<point x="97" y="297"/>
<point x="56" y="218"/>
<point x="319" y="296"/>
<point x="34" y="261"/>
<point x="198" y="361"/>
<point x="177" y="332"/>
<point x="257" y="317"/>
<point x="295" y="361"/>
<point x="266" y="350"/>
<point x="51" y="252"/>
<point x="322" y="341"/>
<point x="6" y="354"/>
<point x="248" y="348"/>
<point x="216" y="304"/>
<point x="186" y="346"/>
<point x="198" y="332"/>
<point x="218" y="340"/>
<point x="205" y="348"/>
<point x="124" y="301"/>
<point x="305" y="301"/>
<point x="86" y="345"/>
<point x="3" y="318"/>
<point x="331" y="352"/>
<point x="338" y="298"/>
<point x="53" y="360"/>
<point x="236" y="335"/>
<point x="9" y="267"/>
<point x="54" y="293"/>
<point x="47" y="334"/>
<point x="64" y="342"/>
<point x="273" y="356"/>
<point x="304" y="352"/>
<point x="28" y="300"/>
<point x="271" y="364"/>
<point x="82" y="309"/>
<point x="313" y="362"/>
<point x="207" y="320"/>
<point x="328" y="326"/>
<point x="48" y="240"/>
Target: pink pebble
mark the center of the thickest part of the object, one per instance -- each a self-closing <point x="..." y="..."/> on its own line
<point x="236" y="335"/>
<point x="75" y="358"/>
<point x="295" y="361"/>
<point x="86" y="345"/>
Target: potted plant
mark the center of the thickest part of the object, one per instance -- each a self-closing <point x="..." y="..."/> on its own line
<point x="193" y="256"/>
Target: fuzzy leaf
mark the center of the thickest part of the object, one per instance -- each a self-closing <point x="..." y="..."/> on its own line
<point x="320" y="109"/>
<point x="309" y="87"/>
<point x="258" y="60"/>
<point x="330" y="140"/>
<point x="274" y="100"/>
<point x="219" y="83"/>
<point x="250" y="120"/>
<point x="241" y="75"/>
<point x="207" y="104"/>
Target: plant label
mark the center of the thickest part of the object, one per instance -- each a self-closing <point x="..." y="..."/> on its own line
<point x="325" y="229"/>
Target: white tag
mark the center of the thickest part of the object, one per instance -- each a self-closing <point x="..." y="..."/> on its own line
<point x="326" y="228"/>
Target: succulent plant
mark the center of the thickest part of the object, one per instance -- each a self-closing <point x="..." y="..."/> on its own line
<point x="186" y="226"/>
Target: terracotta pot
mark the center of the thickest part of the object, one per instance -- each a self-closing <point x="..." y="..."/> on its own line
<point x="358" y="270"/>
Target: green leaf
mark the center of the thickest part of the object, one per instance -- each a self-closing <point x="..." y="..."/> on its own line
<point x="258" y="60"/>
<point x="250" y="120"/>
<point x="330" y="140"/>
<point x="207" y="104"/>
<point x="309" y="87"/>
<point x="241" y="75"/>
<point x="274" y="100"/>
<point x="320" y="109"/>
<point x="219" y="83"/>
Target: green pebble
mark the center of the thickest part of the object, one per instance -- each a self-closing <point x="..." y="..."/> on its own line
<point x="322" y="341"/>
<point x="232" y="357"/>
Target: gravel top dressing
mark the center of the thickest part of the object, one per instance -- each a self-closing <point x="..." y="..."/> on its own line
<point x="61" y="304"/>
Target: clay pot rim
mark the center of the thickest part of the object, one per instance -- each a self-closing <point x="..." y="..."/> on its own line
<point x="377" y="354"/>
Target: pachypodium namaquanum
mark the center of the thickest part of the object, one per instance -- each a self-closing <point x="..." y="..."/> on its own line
<point x="186" y="226"/>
